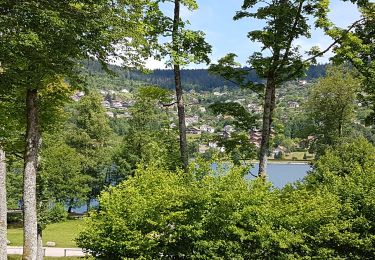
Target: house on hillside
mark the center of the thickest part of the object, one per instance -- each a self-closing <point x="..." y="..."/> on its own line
<point x="228" y="129"/>
<point x="207" y="129"/>
<point x="190" y="120"/>
<point x="193" y="131"/>
<point x="202" y="109"/>
<point x="302" y="82"/>
<point x="293" y="104"/>
<point x="203" y="148"/>
<point x="256" y="136"/>
<point x="110" y="114"/>
<point x="278" y="151"/>
<point x="78" y="96"/>
<point x="255" y="108"/>
<point x="117" y="104"/>
<point x="106" y="104"/>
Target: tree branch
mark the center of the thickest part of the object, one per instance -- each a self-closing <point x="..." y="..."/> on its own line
<point x="291" y="36"/>
<point x="336" y="41"/>
<point x="325" y="50"/>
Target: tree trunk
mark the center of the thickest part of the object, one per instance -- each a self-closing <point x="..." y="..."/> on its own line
<point x="3" y="207"/>
<point x="179" y="93"/>
<point x="30" y="235"/>
<point x="88" y="205"/>
<point x="40" y="254"/>
<point x="269" y="106"/>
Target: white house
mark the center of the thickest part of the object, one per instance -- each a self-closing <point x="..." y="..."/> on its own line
<point x="207" y="129"/>
<point x="189" y="120"/>
<point x="106" y="104"/>
<point x="293" y="104"/>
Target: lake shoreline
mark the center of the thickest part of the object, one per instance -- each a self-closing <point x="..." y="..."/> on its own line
<point x="285" y="162"/>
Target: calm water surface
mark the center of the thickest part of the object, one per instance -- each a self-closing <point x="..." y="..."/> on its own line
<point x="281" y="174"/>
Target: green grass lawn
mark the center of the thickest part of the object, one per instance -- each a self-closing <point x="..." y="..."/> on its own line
<point x="295" y="156"/>
<point x="62" y="233"/>
<point x="18" y="257"/>
<point x="299" y="156"/>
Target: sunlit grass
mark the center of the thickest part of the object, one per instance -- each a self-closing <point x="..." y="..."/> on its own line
<point x="63" y="234"/>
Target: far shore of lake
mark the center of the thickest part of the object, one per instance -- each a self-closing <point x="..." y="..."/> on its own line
<point x="284" y="162"/>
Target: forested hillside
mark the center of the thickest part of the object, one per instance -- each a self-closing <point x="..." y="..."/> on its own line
<point x="197" y="79"/>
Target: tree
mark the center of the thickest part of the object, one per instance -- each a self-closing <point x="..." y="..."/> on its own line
<point x="186" y="47"/>
<point x="3" y="206"/>
<point x="331" y="104"/>
<point x="41" y="42"/>
<point x="148" y="139"/>
<point x="89" y="134"/>
<point x="61" y="173"/>
<point x="358" y="48"/>
<point x="279" y="60"/>
<point x="238" y="145"/>
<point x="348" y="172"/>
<point x="10" y="129"/>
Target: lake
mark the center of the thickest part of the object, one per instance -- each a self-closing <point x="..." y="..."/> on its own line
<point x="282" y="173"/>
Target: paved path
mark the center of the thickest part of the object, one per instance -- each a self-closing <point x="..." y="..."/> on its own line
<point x="49" y="251"/>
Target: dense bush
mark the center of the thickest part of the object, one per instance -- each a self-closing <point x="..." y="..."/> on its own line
<point x="348" y="171"/>
<point x="218" y="215"/>
<point x="56" y="213"/>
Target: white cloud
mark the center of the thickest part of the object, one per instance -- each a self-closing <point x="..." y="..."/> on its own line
<point x="155" y="64"/>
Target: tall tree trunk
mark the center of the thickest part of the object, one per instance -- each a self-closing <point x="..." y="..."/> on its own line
<point x="40" y="254"/>
<point x="88" y="205"/>
<point x="30" y="233"/>
<point x="70" y="208"/>
<point x="3" y="207"/>
<point x="269" y="106"/>
<point x="179" y="93"/>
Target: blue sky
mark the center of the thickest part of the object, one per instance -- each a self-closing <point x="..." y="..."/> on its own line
<point x="215" y="18"/>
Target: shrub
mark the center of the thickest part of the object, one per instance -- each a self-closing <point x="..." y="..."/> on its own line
<point x="56" y="214"/>
<point x="219" y="215"/>
<point x="279" y="156"/>
<point x="348" y="172"/>
<point x="216" y="216"/>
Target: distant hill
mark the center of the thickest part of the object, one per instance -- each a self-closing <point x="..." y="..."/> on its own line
<point x="197" y="79"/>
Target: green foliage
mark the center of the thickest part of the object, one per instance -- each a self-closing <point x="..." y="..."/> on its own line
<point x="348" y="172"/>
<point x="89" y="134"/>
<point x="90" y="122"/>
<point x="60" y="33"/>
<point x="14" y="184"/>
<point x="61" y="172"/>
<point x="243" y="119"/>
<point x="285" y="22"/>
<point x="357" y="46"/>
<point x="148" y="137"/>
<point x="196" y="79"/>
<point x="231" y="70"/>
<point x="57" y="213"/>
<point x="216" y="214"/>
<point x="280" y="156"/>
<point x="183" y="46"/>
<point x="331" y="105"/>
<point x="238" y="145"/>
<point x="299" y="125"/>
